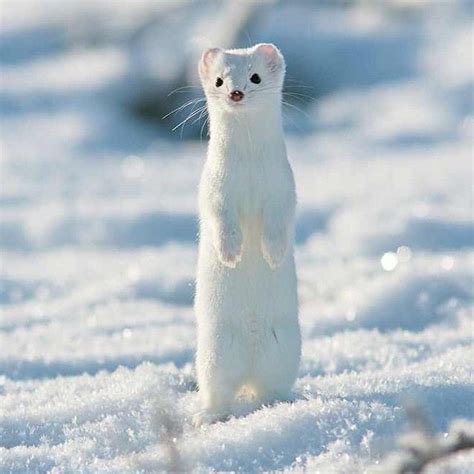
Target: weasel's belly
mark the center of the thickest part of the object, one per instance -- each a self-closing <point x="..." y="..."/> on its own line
<point x="251" y="291"/>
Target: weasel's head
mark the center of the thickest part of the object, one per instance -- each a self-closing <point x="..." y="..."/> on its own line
<point x="242" y="79"/>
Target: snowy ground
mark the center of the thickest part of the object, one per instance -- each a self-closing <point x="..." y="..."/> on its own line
<point x="98" y="247"/>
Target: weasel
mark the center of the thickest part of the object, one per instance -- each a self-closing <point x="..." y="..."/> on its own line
<point x="248" y="333"/>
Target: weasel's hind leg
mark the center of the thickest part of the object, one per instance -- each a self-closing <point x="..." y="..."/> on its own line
<point x="217" y="399"/>
<point x="220" y="377"/>
<point x="277" y="366"/>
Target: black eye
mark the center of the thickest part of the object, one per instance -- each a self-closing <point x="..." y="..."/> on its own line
<point x="255" y="79"/>
<point x="219" y="82"/>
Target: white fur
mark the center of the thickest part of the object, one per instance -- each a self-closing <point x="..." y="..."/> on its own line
<point x="246" y="302"/>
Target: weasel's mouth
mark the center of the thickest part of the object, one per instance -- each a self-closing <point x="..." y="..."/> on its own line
<point x="240" y="103"/>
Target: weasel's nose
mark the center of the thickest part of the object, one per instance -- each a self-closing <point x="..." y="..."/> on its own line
<point x="236" y="96"/>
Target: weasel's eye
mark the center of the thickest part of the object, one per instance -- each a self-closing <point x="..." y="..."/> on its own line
<point x="255" y="79"/>
<point x="219" y="82"/>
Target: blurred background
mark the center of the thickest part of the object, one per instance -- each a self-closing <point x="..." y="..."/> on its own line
<point x="88" y="82"/>
<point x="98" y="212"/>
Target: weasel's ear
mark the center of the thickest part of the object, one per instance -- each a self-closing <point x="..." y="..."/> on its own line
<point x="272" y="56"/>
<point x="207" y="59"/>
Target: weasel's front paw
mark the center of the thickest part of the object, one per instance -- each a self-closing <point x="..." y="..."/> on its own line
<point x="229" y="248"/>
<point x="274" y="250"/>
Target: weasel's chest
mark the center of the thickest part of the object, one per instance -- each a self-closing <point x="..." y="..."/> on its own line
<point x="252" y="188"/>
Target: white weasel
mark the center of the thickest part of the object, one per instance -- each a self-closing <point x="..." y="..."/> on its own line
<point x="246" y="302"/>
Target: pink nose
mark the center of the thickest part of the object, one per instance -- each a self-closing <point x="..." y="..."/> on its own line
<point x="236" y="96"/>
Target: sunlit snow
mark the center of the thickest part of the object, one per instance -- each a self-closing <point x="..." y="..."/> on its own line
<point x="98" y="239"/>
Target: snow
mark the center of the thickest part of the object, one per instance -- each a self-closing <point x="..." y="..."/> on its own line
<point x="98" y="243"/>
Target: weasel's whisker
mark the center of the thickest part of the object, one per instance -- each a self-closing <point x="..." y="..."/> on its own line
<point x="296" y="108"/>
<point x="299" y="94"/>
<point x="181" y="89"/>
<point x="264" y="89"/>
<point x="289" y="86"/>
<point x="269" y="89"/>
<point x="189" y="117"/>
<point x="181" y="107"/>
<point x="203" y="111"/>
<point x="202" y="127"/>
<point x="299" y="99"/>
<point x="296" y="81"/>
